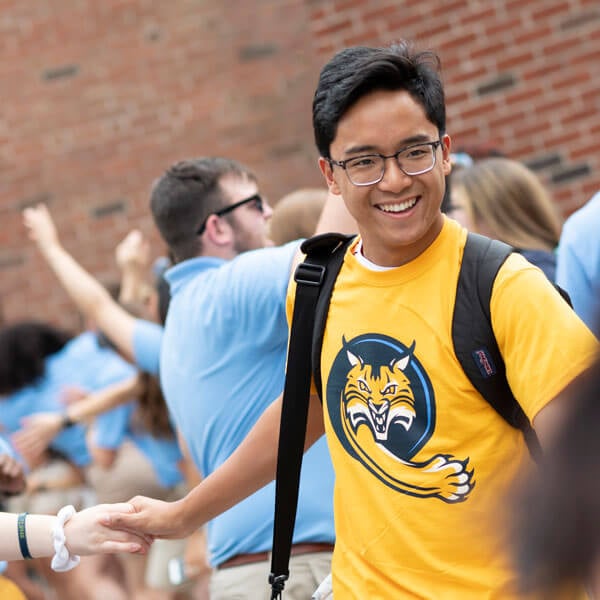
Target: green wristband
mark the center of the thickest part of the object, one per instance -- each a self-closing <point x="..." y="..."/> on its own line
<point x="23" y="535"/>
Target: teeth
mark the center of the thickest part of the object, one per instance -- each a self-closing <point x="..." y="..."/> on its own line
<point x="396" y="208"/>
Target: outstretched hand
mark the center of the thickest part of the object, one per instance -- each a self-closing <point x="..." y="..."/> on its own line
<point x="86" y="532"/>
<point x="40" y="225"/>
<point x="133" y="252"/>
<point x="12" y="476"/>
<point x="151" y="517"/>
<point x="37" y="432"/>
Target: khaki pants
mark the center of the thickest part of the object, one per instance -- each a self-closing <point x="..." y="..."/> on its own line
<point x="130" y="475"/>
<point x="251" y="582"/>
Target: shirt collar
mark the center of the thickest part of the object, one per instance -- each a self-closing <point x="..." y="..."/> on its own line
<point x="178" y="275"/>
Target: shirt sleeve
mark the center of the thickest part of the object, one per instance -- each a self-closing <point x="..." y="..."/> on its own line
<point x="545" y="345"/>
<point x="147" y="338"/>
<point x="571" y="274"/>
<point x="260" y="279"/>
<point x="110" y="428"/>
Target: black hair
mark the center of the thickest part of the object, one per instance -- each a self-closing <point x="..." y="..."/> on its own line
<point x="24" y="347"/>
<point x="164" y="297"/>
<point x="186" y="194"/>
<point x="360" y="70"/>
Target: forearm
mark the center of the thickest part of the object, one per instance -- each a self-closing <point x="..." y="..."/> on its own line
<point x="87" y="293"/>
<point x="133" y="287"/>
<point x="104" y="400"/>
<point x="90" y="296"/>
<point x="252" y="466"/>
<point x="38" y="529"/>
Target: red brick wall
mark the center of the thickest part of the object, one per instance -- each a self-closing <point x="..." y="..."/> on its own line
<point x="99" y="97"/>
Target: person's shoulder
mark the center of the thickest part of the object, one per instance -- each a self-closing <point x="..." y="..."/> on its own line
<point x="148" y="328"/>
<point x="266" y="260"/>
<point x="287" y="249"/>
<point x="82" y="344"/>
<point x="587" y="217"/>
<point x="517" y="267"/>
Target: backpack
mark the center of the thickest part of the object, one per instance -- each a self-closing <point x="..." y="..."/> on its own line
<point x="474" y="343"/>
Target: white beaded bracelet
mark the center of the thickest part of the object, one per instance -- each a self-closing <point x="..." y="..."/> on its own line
<point x="62" y="560"/>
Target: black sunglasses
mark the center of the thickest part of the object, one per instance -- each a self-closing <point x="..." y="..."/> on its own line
<point x="257" y="199"/>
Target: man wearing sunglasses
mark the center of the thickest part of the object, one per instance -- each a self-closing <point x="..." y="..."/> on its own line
<point x="223" y="361"/>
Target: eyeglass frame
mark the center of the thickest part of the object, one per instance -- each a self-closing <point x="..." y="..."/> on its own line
<point x="260" y="205"/>
<point x="342" y="163"/>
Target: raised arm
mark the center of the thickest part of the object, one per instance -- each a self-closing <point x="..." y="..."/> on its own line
<point x="133" y="259"/>
<point x="92" y="299"/>
<point x="335" y="217"/>
<point x="248" y="469"/>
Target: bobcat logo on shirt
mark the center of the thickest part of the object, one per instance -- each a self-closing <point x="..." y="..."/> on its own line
<point x="382" y="408"/>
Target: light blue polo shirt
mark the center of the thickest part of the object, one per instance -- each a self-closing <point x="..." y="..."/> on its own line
<point x="578" y="263"/>
<point x="82" y="362"/>
<point x="147" y="339"/>
<point x="222" y="364"/>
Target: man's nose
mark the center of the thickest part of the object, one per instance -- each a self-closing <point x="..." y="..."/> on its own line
<point x="267" y="210"/>
<point x="394" y="178"/>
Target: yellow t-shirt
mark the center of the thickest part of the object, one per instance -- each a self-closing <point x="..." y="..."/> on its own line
<point x="9" y="591"/>
<point x="423" y="464"/>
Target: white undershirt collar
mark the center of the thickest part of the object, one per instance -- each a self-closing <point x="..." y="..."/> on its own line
<point x="365" y="262"/>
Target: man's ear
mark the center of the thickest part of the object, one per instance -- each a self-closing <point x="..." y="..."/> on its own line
<point x="218" y="230"/>
<point x="327" y="171"/>
<point x="446" y="146"/>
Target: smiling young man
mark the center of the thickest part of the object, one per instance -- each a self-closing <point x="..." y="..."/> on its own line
<point x="422" y="462"/>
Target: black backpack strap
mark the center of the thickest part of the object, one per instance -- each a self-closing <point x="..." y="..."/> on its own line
<point x="474" y="341"/>
<point x="333" y="268"/>
<point x="310" y="277"/>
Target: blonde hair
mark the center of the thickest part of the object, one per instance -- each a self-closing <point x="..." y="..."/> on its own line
<point x="510" y="203"/>
<point x="296" y="215"/>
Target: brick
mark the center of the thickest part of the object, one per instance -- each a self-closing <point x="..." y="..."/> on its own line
<point x="528" y="36"/>
<point x="549" y="9"/>
<point x="513" y="61"/>
<point x="523" y="94"/>
<point x="541" y="70"/>
<point x="572" y="80"/>
<point x="334" y="28"/>
<point x="561" y="46"/>
<point x="505" y="28"/>
<point x="584" y="151"/>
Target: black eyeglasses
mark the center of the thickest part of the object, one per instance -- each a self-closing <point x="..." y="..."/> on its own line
<point x="258" y="204"/>
<point x="370" y="168"/>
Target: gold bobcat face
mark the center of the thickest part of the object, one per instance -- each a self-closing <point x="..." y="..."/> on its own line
<point x="379" y="399"/>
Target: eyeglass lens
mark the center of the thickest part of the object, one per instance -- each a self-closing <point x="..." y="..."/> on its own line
<point x="413" y="161"/>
